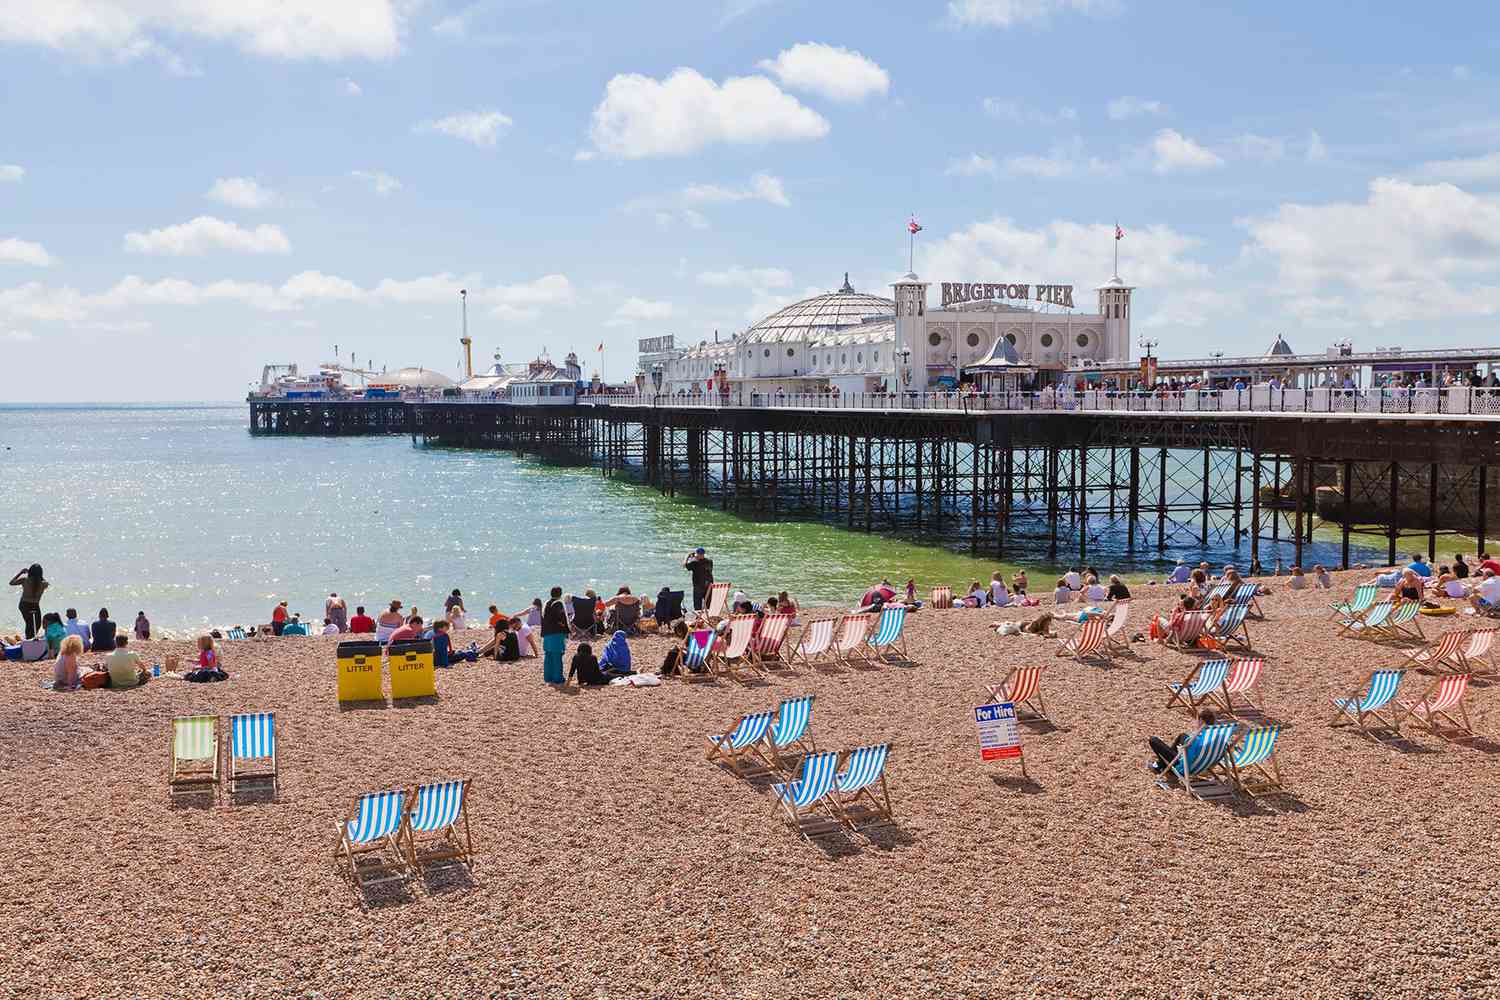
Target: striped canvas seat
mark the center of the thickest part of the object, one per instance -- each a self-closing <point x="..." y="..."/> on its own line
<point x="195" y="756"/>
<point x="1245" y="594"/>
<point x="1438" y="704"/>
<point x="235" y="633"/>
<point x="942" y="597"/>
<point x="252" y="738"/>
<point x="1200" y="685"/>
<point x="1374" y="618"/>
<point x="742" y="744"/>
<point x="1232" y="626"/>
<point x="855" y="797"/>
<point x="370" y="839"/>
<point x="850" y="643"/>
<point x="1089" y="640"/>
<point x="804" y="802"/>
<point x="1362" y="709"/>
<point x="1119" y="622"/>
<point x="1404" y="622"/>
<point x="1364" y="600"/>
<point x="765" y="646"/>
<point x="1023" y="689"/>
<point x="793" y="717"/>
<point x="888" y="634"/>
<point x="1193" y="624"/>
<point x="1253" y="765"/>
<point x="1243" y="680"/>
<point x="1445" y="653"/>
<point x="1218" y="590"/>
<point x="736" y="651"/>
<point x="1480" y="650"/>
<point x="1198" y="757"/>
<point x="695" y="657"/>
<point x="718" y="596"/>
<point x="816" y="641"/>
<point x="432" y="825"/>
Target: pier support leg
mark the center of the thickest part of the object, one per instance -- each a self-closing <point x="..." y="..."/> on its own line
<point x="1348" y="510"/>
<point x="1299" y="470"/>
<point x="1480" y="505"/>
<point x="1395" y="509"/>
<point x="1254" y="508"/>
<point x="1432" y="491"/>
<point x="1161" y="505"/>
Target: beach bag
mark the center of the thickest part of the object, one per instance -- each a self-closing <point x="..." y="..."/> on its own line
<point x="33" y="650"/>
<point x="1156" y="632"/>
<point x="94" y="679"/>
<point x="1208" y="642"/>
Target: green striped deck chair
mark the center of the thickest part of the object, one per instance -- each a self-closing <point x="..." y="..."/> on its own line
<point x="195" y="756"/>
<point x="1252" y="763"/>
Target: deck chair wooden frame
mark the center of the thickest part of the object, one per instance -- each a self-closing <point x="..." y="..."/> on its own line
<point x="1362" y="601"/>
<point x="1443" y="697"/>
<point x="1116" y="636"/>
<point x="1404" y="623"/>
<point x="1022" y="687"/>
<point x="789" y="729"/>
<point x="1372" y="617"/>
<point x="1243" y="679"/>
<point x="738" y="636"/>
<point x="860" y="775"/>
<point x="1193" y="625"/>
<point x="1197" y="763"/>
<point x="815" y="642"/>
<point x="1199" y="686"/>
<point x="1478" y="657"/>
<point x="804" y="803"/>
<point x="1445" y="653"/>
<point x="1231" y="626"/>
<point x="1365" y="703"/>
<point x="742" y="743"/>
<point x="704" y="639"/>
<point x="1246" y="594"/>
<point x="1252" y="765"/>
<point x="193" y="742"/>
<point x="894" y="635"/>
<point x="431" y="824"/>
<point x="254" y="732"/>
<point x="767" y="646"/>
<point x="714" y="601"/>
<point x="370" y="838"/>
<point x="849" y="642"/>
<point x="1088" y="640"/>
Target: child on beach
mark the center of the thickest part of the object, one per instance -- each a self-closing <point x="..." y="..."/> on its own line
<point x="65" y="671"/>
<point x="1321" y="577"/>
<point x="1018" y="583"/>
<point x="1063" y="594"/>
<point x="586" y="667"/>
<point x="208" y="663"/>
<point x="443" y="653"/>
<point x="54" y="631"/>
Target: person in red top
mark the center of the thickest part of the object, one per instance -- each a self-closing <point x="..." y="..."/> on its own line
<point x="411" y="630"/>
<point x="361" y="622"/>
<point x="1486" y="562"/>
<point x="278" y="618"/>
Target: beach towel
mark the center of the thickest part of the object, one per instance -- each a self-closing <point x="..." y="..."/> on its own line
<point x="616" y="657"/>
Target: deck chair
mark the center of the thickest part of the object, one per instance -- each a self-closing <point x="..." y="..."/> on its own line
<point x="195" y="756"/>
<point x="235" y="633"/>
<point x="1193" y="624"/>
<point x="370" y="839"/>
<point x="766" y="645"/>
<point x="854" y="795"/>
<point x="718" y="596"/>
<point x="1218" y="590"/>
<point x="1252" y="763"/>
<point x="696" y="663"/>
<point x="1199" y="757"/>
<point x="1022" y="687"/>
<point x="1437" y="705"/>
<point x="585" y="626"/>
<point x="736" y="651"/>
<point x="1364" y="600"/>
<point x="252" y="737"/>
<point x="793" y="717"/>
<point x="1089" y="640"/>
<point x="1200" y="685"/>
<point x="1245" y="594"/>
<point x="1404" y="623"/>
<point x="1115" y="636"/>
<point x="850" y="643"/>
<point x="815" y="642"/>
<point x="1480" y="648"/>
<point x="1232" y="626"/>
<point x="432" y="824"/>
<point x="942" y="597"/>
<point x="624" y="618"/>
<point x="804" y="803"/>
<point x="742" y="743"/>
<point x="669" y="608"/>
<point x="888" y="638"/>
<point x="1380" y="691"/>
<point x="1372" y="618"/>
<point x="1244" y="678"/>
<point x="1443" y="654"/>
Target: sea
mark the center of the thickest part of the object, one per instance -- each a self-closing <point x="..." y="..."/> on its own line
<point x="176" y="510"/>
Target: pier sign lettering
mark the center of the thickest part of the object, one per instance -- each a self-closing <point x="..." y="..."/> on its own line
<point x="973" y="291"/>
<point x="656" y="345"/>
<point x="998" y="739"/>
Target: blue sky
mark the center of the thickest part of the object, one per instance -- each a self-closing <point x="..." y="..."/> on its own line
<point x="190" y="190"/>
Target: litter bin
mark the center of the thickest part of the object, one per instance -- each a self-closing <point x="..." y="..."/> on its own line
<point x="412" y="675"/>
<point x="359" y="671"/>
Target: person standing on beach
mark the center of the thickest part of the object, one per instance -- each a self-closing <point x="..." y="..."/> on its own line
<point x="336" y="611"/>
<point x="278" y="618"/>
<point x="702" y="569"/>
<point x="30" y="605"/>
<point x="142" y="626"/>
<point x="554" y="638"/>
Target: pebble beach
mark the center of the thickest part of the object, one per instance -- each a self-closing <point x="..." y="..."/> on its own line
<point x="613" y="860"/>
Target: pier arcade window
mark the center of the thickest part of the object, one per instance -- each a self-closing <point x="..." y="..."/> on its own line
<point x="1083" y="340"/>
<point x="934" y="339"/>
<point x="768" y="352"/>
<point x="1046" y="340"/>
<point x="1011" y="338"/>
<point x="859" y="358"/>
<point x="791" y="352"/>
<point x="973" y="340"/>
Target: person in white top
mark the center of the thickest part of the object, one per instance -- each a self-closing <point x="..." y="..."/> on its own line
<point x="456" y="620"/>
<point x="999" y="596"/>
<point x="75" y="627"/>
<point x="1487" y="594"/>
<point x="329" y="627"/>
<point x="1094" y="592"/>
<point x="1062" y="595"/>
<point x="526" y="638"/>
<point x="1072" y="579"/>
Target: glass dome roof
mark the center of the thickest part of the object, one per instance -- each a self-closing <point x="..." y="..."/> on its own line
<point x="845" y="307"/>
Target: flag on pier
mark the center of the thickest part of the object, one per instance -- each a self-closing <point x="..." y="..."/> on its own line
<point x="914" y="227"/>
<point x="1119" y="233"/>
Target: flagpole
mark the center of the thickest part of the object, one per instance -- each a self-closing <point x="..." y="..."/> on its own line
<point x="1117" y="248"/>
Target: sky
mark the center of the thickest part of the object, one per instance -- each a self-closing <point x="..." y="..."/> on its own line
<point x="190" y="189"/>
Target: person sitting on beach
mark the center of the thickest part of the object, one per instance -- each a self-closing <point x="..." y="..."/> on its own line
<point x="53" y="631"/>
<point x="671" y="664"/>
<point x="1449" y="585"/>
<point x="998" y="596"/>
<point x="361" y="623"/>
<point x="1093" y="591"/>
<point x="65" y="676"/>
<point x="453" y="600"/>
<point x="1460" y="568"/>
<point x="1486" y="594"/>
<point x="1063" y="594"/>
<point x="623" y="611"/>
<point x="392" y="616"/>
<point x="330" y="627"/>
<point x="209" y="668"/>
<point x="76" y="627"/>
<point x="443" y="653"/>
<point x="1419" y="566"/>
<point x="1298" y="580"/>
<point x="616" y="659"/>
<point x="586" y="668"/>
<point x="1181" y="574"/>
<point x="296" y="626"/>
<point x="975" y="596"/>
<point x="102" y="633"/>
<point x="507" y="645"/>
<point x="335" y="610"/>
<point x="1117" y="589"/>
<point x="1321" y="577"/>
<point x="409" y="631"/>
<point x="124" y="666"/>
<point x="1073" y="578"/>
<point x="1410" y="586"/>
<point x="457" y="618"/>
<point x="142" y="627"/>
<point x="1165" y="752"/>
<point x="1198" y="585"/>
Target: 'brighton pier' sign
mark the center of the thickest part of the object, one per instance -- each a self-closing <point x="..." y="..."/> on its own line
<point x="969" y="291"/>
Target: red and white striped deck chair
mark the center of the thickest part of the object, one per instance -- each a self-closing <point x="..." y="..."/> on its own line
<point x="1442" y="655"/>
<point x="816" y="641"/>
<point x="1481" y="649"/>
<point x="942" y="597"/>
<point x="766" y="646"/>
<point x="850" y="644"/>
<point x="1193" y="624"/>
<point x="1116" y="635"/>
<point x="736" y="651"/>
<point x="1091" y="639"/>
<point x="1437" y="706"/>
<point x="1022" y="687"/>
<point x="718" y="596"/>
<point x="1243" y="679"/>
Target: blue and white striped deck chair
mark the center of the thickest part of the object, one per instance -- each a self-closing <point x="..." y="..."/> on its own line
<point x="744" y="742"/>
<point x="370" y="839"/>
<point x="888" y="632"/>
<point x="695" y="655"/>
<point x="1199" y="756"/>
<point x="1379" y="693"/>
<point x="432" y="824"/>
<point x="1374" y="618"/>
<point x="793" y="717"/>
<point x="1231" y="626"/>
<point x="804" y="803"/>
<point x="235" y="633"/>
<point x="854" y="788"/>
<point x="1199" y="686"/>
<point x="1252" y="763"/>
<point x="1245" y="594"/>
<point x="1218" y="590"/>
<point x="252" y="737"/>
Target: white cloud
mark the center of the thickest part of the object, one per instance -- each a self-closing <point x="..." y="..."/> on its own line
<point x="1407" y="252"/>
<point x="1064" y="160"/>
<point x="25" y="252"/>
<point x="1172" y="151"/>
<point x="1316" y="151"/>
<point x="524" y="301"/>
<point x="1005" y="13"/>
<point x="972" y="165"/>
<point x="136" y="291"/>
<point x="830" y="71"/>
<point x="241" y="192"/>
<point x="319" y="287"/>
<point x="482" y="128"/>
<point x="1122" y="108"/>
<point x="736" y="9"/>
<point x="1007" y="110"/>
<point x="18" y="336"/>
<point x="1468" y="170"/>
<point x="1258" y="147"/>
<point x="379" y="181"/>
<point x="11" y="172"/>
<point x="762" y="187"/>
<point x="641" y="116"/>
<point x="636" y="309"/>
<point x="349" y="88"/>
<point x="746" y="277"/>
<point x="206" y="233"/>
<point x="128" y="29"/>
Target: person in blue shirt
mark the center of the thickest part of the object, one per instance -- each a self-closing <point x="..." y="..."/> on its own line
<point x="443" y="653"/>
<point x="294" y="627"/>
<point x="616" y="659"/>
<point x="1181" y="574"/>
<point x="1419" y="566"/>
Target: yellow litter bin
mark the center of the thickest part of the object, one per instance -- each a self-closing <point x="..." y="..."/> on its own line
<point x="411" y="669"/>
<point x="359" y="671"/>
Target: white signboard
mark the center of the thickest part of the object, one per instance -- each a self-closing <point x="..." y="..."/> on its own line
<point x="998" y="739"/>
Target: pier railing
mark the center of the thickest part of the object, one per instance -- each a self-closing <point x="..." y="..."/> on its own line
<point x="1461" y="401"/>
